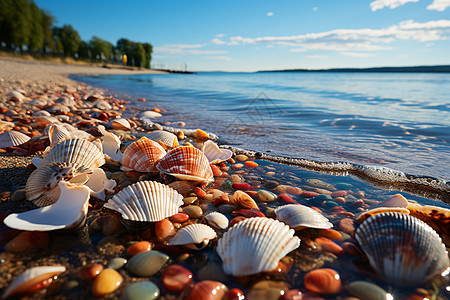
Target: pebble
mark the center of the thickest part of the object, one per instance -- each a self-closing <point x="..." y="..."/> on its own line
<point x="147" y="264"/>
<point x="208" y="290"/>
<point x="211" y="271"/>
<point x="267" y="289"/>
<point x="241" y="186"/>
<point x="292" y="295"/>
<point x="323" y="281"/>
<point x="175" y="278"/>
<point x="351" y="249"/>
<point x="320" y="184"/>
<point x="338" y="194"/>
<point x="366" y="290"/>
<point x="237" y="166"/>
<point x="329" y="245"/>
<point x="163" y="229"/>
<point x="18" y="195"/>
<point x="308" y="194"/>
<point x="235" y="294"/>
<point x="193" y="211"/>
<point x="199" y="192"/>
<point x="285" y="198"/>
<point x="189" y="200"/>
<point x="347" y="225"/>
<point x="106" y="282"/>
<point x="251" y="164"/>
<point x="139" y="247"/>
<point x="90" y="271"/>
<point x="266" y="196"/>
<point x="179" y="217"/>
<point x="241" y="157"/>
<point x="27" y="240"/>
<point x="142" y="290"/>
<point x="116" y="263"/>
<point x="216" y="170"/>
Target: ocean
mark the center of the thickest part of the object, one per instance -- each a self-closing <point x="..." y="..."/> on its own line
<point x="395" y="120"/>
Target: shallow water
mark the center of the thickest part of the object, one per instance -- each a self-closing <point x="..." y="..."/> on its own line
<point x="397" y="120"/>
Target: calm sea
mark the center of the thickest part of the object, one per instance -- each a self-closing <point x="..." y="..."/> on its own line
<point x="397" y="120"/>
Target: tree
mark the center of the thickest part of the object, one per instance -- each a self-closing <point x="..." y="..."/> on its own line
<point x="47" y="26"/>
<point x="21" y="23"/>
<point x="138" y="55"/>
<point x="6" y="12"/>
<point x="100" y="47"/>
<point x="69" y="39"/>
<point x="148" y="55"/>
<point x="36" y="39"/>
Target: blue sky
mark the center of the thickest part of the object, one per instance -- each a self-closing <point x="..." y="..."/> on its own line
<point x="239" y="35"/>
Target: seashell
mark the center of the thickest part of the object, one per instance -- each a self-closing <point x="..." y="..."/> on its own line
<point x="214" y="154"/>
<point x="67" y="212"/>
<point x="150" y="114"/>
<point x="186" y="163"/>
<point x="56" y="133"/>
<point x="243" y="199"/>
<point x="6" y="125"/>
<point x="194" y="236"/>
<point x="102" y="104"/>
<point x="166" y="139"/>
<point x="41" y="112"/>
<point x="16" y="96"/>
<point x="46" y="120"/>
<point x="402" y="249"/>
<point x="12" y="139"/>
<point x="110" y="144"/>
<point x="76" y="152"/>
<point x="372" y="212"/>
<point x="120" y="124"/>
<point x="217" y="220"/>
<point x="398" y="200"/>
<point x="142" y="156"/>
<point x="436" y="217"/>
<point x="30" y="278"/>
<point x="255" y="245"/>
<point x="146" y="201"/>
<point x="98" y="183"/>
<point x="299" y="217"/>
<point x="66" y="101"/>
<point x="181" y="186"/>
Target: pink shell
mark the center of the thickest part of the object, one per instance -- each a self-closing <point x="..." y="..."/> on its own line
<point x="142" y="156"/>
<point x="186" y="163"/>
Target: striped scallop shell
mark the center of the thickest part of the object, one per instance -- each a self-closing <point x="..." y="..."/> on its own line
<point x="12" y="139"/>
<point x="194" y="236"/>
<point x="299" y="217"/>
<point x="255" y="245"/>
<point x="76" y="152"/>
<point x="402" y="249"/>
<point x="142" y="156"/>
<point x="146" y="201"/>
<point x="166" y="139"/>
<point x="56" y="133"/>
<point x="214" y="154"/>
<point x="186" y="163"/>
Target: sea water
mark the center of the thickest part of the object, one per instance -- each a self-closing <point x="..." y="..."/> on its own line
<point x="396" y="120"/>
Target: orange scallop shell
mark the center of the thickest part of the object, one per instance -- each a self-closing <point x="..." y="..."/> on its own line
<point x="142" y="156"/>
<point x="186" y="163"/>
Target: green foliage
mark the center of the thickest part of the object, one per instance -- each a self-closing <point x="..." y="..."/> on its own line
<point x="36" y="39"/>
<point x="101" y="48"/>
<point x="47" y="26"/>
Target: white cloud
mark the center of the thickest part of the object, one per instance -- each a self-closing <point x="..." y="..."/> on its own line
<point x="439" y="5"/>
<point x="220" y="35"/>
<point x="219" y="57"/>
<point x="380" y="4"/>
<point x="181" y="49"/>
<point x="315" y="8"/>
<point x="217" y="41"/>
<point x="357" y="54"/>
<point x="269" y="14"/>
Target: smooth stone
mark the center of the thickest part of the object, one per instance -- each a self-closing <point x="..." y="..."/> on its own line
<point x="235" y="294"/>
<point x="320" y="184"/>
<point x="366" y="290"/>
<point x="175" y="278"/>
<point x="323" y="281"/>
<point x="241" y="157"/>
<point x="190" y="200"/>
<point x="339" y="193"/>
<point x="285" y="198"/>
<point x="179" y="217"/>
<point x="226" y="209"/>
<point x="237" y="166"/>
<point x="163" y="229"/>
<point x="292" y="295"/>
<point x="106" y="282"/>
<point x="235" y="178"/>
<point x="268" y="290"/>
<point x="343" y="186"/>
<point x="142" y="290"/>
<point x="266" y="196"/>
<point x="329" y="245"/>
<point x="251" y="164"/>
<point x="147" y="264"/>
<point x="139" y="247"/>
<point x="27" y="241"/>
<point x="212" y="271"/>
<point x="18" y="195"/>
<point x="347" y="225"/>
<point x="116" y="263"/>
<point x="208" y="290"/>
<point x="90" y="271"/>
<point x="193" y="211"/>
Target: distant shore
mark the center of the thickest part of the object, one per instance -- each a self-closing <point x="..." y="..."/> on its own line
<point x="412" y="69"/>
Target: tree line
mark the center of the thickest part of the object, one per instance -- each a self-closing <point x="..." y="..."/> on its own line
<point x="26" y="28"/>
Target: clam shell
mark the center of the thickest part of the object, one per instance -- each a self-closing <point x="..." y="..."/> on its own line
<point x="142" y="156"/>
<point x="166" y="139"/>
<point x="146" y="201"/>
<point x="402" y="249"/>
<point x="214" y="154"/>
<point x="186" y="163"/>
<point x="69" y="211"/>
<point x="12" y="139"/>
<point x="150" y="114"/>
<point x="194" y="236"/>
<point x="30" y="278"/>
<point x="255" y="245"/>
<point x="120" y="124"/>
<point x="299" y="217"/>
<point x="76" y="152"/>
<point x="217" y="220"/>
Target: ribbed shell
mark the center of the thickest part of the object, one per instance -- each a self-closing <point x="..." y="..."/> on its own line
<point x="56" y="133"/>
<point x="402" y="249"/>
<point x="299" y="216"/>
<point x="120" y="124"/>
<point x="12" y="139"/>
<point x="142" y="156"/>
<point x="146" y="201"/>
<point x="217" y="220"/>
<point x="255" y="245"/>
<point x="214" y="154"/>
<point x="76" y="152"/>
<point x="193" y="234"/>
<point x="165" y="138"/>
<point x="186" y="163"/>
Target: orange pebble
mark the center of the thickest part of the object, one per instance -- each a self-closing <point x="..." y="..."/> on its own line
<point x="139" y="247"/>
<point x="155" y="109"/>
<point x="331" y="234"/>
<point x="323" y="281"/>
<point x="329" y="245"/>
<point x="164" y="229"/>
<point x="251" y="164"/>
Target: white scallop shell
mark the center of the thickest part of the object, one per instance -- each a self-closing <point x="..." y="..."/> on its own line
<point x="194" y="236"/>
<point x="56" y="133"/>
<point x="146" y="201"/>
<point x="299" y="217"/>
<point x="12" y="139"/>
<point x="214" y="154"/>
<point x="255" y="245"/>
<point x="402" y="249"/>
<point x="120" y="124"/>
<point x="31" y="277"/>
<point x="76" y="152"/>
<point x="165" y="138"/>
<point x="217" y="220"/>
<point x="67" y="212"/>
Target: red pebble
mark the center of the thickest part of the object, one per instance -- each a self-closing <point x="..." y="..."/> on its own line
<point x="292" y="295"/>
<point x="208" y="289"/>
<point x="323" y="281"/>
<point x="285" y="198"/>
<point x="338" y="194"/>
<point x="307" y="194"/>
<point x="139" y="247"/>
<point x="329" y="245"/>
<point x="216" y="170"/>
<point x="236" y="220"/>
<point x="234" y="294"/>
<point x="175" y="278"/>
<point x="199" y="192"/>
<point x="164" y="229"/>
<point x="248" y="213"/>
<point x="241" y="186"/>
<point x="90" y="271"/>
<point x="179" y="217"/>
<point x="347" y="225"/>
<point x="27" y="240"/>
